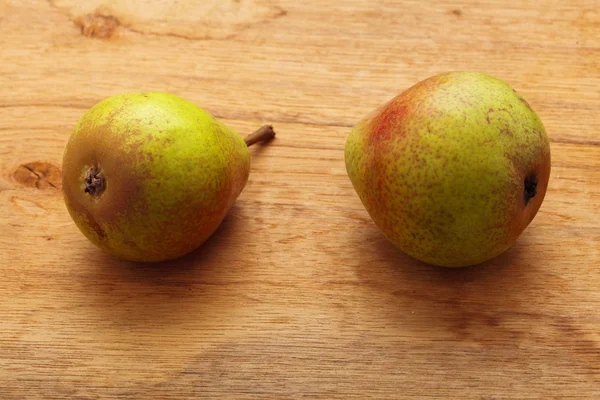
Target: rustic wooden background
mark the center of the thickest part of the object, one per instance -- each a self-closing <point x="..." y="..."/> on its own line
<point x="297" y="295"/>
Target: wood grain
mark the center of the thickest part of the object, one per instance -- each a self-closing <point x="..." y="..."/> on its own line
<point x="297" y="295"/>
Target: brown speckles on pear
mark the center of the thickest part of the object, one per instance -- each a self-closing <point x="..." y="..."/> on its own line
<point x="167" y="189"/>
<point x="487" y="116"/>
<point x="423" y="146"/>
<point x="506" y="131"/>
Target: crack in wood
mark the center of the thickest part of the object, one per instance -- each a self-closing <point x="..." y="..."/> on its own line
<point x="38" y="175"/>
<point x="40" y="178"/>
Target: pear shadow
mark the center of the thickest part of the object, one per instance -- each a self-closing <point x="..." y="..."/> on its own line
<point x="172" y="295"/>
<point x="464" y="303"/>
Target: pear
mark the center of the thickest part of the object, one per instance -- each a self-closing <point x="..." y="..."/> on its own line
<point x="453" y="169"/>
<point x="150" y="176"/>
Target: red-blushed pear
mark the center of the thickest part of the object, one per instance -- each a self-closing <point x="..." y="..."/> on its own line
<point x="453" y="169"/>
<point x="150" y="176"/>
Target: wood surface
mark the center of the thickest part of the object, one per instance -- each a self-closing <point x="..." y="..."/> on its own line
<point x="297" y="295"/>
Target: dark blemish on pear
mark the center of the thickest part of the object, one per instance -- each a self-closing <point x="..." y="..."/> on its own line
<point x="95" y="183"/>
<point x="96" y="227"/>
<point x="526" y="103"/>
<point x="530" y="187"/>
<point x="487" y="117"/>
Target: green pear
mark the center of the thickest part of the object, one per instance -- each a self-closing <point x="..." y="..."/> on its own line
<point x="453" y="169"/>
<point x="150" y="176"/>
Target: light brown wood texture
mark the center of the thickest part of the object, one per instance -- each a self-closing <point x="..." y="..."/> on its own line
<point x="297" y="295"/>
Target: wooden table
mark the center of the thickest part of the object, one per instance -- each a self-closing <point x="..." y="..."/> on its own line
<point x="297" y="295"/>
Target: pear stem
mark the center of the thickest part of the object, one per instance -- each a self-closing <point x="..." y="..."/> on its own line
<point x="263" y="134"/>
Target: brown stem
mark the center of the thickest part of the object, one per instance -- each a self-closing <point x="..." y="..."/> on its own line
<point x="263" y="134"/>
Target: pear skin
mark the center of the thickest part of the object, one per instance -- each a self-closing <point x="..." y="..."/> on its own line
<point x="150" y="176"/>
<point x="453" y="169"/>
